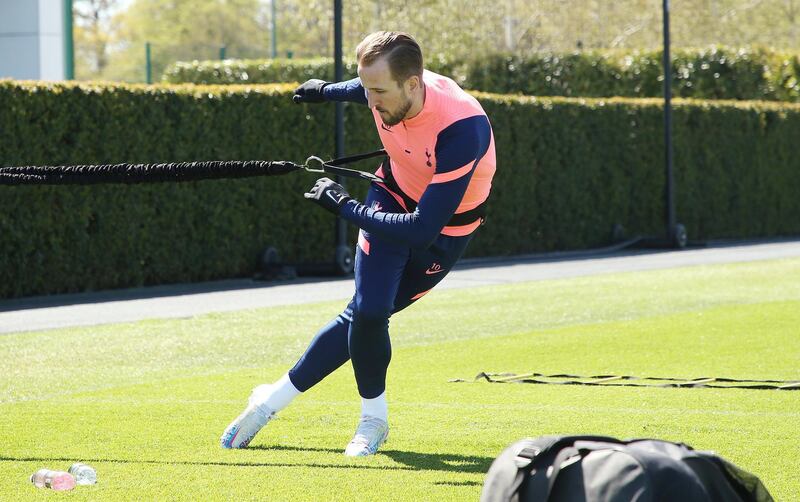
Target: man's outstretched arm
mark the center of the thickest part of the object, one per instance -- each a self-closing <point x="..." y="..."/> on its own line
<point x="318" y="91"/>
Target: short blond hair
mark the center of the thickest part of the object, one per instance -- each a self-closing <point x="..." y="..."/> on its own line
<point x="402" y="52"/>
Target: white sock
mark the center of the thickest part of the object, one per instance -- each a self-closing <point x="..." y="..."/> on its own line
<point x="278" y="395"/>
<point x="375" y="407"/>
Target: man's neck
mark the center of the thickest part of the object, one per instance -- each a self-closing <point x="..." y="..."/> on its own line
<point x="417" y="104"/>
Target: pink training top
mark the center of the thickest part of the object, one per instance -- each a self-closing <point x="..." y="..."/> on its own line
<point x="412" y="146"/>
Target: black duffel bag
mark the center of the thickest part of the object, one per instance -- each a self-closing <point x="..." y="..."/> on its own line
<point x="605" y="469"/>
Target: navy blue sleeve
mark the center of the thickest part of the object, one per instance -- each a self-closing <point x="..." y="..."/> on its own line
<point x="349" y="90"/>
<point x="458" y="147"/>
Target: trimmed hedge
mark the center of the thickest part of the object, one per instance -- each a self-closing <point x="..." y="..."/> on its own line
<point x="571" y="168"/>
<point x="568" y="170"/>
<point x="711" y="73"/>
<point x="75" y="238"/>
<point x="255" y="71"/>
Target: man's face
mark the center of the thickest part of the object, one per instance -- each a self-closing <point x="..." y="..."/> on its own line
<point x="384" y="93"/>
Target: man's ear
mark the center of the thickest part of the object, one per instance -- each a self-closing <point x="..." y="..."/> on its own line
<point x="413" y="83"/>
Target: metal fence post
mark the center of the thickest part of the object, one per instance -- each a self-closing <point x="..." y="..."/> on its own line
<point x="148" y="63"/>
<point x="343" y="254"/>
<point x="273" y="29"/>
<point x="69" y="42"/>
<point x="676" y="233"/>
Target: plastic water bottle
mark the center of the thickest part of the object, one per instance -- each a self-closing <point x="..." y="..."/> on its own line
<point x="55" y="480"/>
<point x="84" y="474"/>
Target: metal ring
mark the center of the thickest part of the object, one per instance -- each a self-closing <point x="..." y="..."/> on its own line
<point x="310" y="169"/>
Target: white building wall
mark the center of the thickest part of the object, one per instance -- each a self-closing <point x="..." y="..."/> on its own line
<point x="32" y="39"/>
<point x="51" y="40"/>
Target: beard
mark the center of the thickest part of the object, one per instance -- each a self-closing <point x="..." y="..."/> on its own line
<point x="397" y="117"/>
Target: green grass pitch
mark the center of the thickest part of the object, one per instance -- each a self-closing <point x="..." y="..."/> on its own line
<point x="146" y="402"/>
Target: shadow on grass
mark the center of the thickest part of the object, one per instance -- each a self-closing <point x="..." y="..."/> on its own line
<point x="411" y="461"/>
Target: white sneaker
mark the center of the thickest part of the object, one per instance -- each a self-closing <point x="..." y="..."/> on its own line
<point x="242" y="430"/>
<point x="370" y="435"/>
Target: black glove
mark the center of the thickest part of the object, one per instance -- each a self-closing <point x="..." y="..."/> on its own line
<point x="328" y="194"/>
<point x="310" y="92"/>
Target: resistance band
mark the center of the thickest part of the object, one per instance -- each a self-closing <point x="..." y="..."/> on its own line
<point x="177" y="171"/>
<point x="627" y="381"/>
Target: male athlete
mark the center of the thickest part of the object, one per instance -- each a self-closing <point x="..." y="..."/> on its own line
<point x="414" y="226"/>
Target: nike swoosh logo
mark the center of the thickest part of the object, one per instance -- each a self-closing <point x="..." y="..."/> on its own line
<point x="431" y="272"/>
<point x="385" y="128"/>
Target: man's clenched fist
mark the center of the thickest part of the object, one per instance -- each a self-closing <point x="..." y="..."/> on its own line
<point x="310" y="92"/>
<point x="328" y="194"/>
